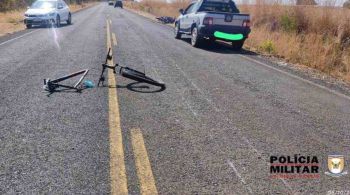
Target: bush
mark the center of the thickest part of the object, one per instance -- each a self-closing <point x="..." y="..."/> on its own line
<point x="288" y="23"/>
<point x="268" y="46"/>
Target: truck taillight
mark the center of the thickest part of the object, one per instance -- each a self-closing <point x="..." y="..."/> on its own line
<point x="208" y="21"/>
<point x="246" y="23"/>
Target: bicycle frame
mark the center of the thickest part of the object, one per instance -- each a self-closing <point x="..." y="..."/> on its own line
<point x="127" y="73"/>
<point x="52" y="85"/>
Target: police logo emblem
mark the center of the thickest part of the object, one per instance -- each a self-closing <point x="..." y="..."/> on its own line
<point x="336" y="165"/>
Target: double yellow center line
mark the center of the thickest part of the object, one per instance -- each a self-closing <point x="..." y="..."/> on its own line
<point x="118" y="178"/>
<point x="143" y="166"/>
<point x="117" y="166"/>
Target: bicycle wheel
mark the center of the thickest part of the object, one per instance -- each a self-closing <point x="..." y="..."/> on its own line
<point x="139" y="76"/>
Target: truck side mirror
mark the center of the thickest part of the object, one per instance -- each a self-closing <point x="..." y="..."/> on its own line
<point x="181" y="11"/>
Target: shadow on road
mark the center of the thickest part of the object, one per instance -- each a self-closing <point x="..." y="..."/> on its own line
<point x="141" y="87"/>
<point x="65" y="91"/>
<point x="48" y="26"/>
<point x="220" y="47"/>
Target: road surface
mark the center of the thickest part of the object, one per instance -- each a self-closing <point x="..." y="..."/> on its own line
<point x="211" y="131"/>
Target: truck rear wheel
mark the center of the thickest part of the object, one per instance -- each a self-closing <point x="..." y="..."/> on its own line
<point x="237" y="45"/>
<point x="195" y="38"/>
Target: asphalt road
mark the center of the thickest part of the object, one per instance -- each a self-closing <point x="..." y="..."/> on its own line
<point x="211" y="131"/>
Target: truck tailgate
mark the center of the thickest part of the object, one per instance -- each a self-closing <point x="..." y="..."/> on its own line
<point x="228" y="19"/>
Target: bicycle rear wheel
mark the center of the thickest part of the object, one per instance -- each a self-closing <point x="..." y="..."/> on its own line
<point x="139" y="76"/>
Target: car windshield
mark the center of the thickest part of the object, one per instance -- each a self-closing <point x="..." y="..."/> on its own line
<point x="214" y="6"/>
<point x="43" y="4"/>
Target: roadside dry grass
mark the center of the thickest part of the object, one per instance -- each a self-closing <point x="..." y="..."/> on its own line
<point x="12" y="21"/>
<point x="158" y="8"/>
<point x="317" y="37"/>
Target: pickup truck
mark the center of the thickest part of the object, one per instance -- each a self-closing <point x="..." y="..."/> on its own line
<point x="213" y="20"/>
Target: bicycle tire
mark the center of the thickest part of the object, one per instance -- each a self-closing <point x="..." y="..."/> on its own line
<point x="139" y="76"/>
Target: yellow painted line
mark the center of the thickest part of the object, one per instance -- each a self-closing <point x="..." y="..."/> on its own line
<point x="117" y="162"/>
<point x="114" y="39"/>
<point x="143" y="166"/>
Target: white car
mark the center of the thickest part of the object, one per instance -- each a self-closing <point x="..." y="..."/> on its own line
<point x="47" y="12"/>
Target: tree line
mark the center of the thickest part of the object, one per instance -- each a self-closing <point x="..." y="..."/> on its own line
<point x="8" y="5"/>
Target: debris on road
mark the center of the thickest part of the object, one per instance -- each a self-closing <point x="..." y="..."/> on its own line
<point x="88" y="84"/>
<point x="166" y="19"/>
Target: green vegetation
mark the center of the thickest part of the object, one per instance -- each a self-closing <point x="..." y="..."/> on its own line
<point x="268" y="46"/>
<point x="288" y="24"/>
